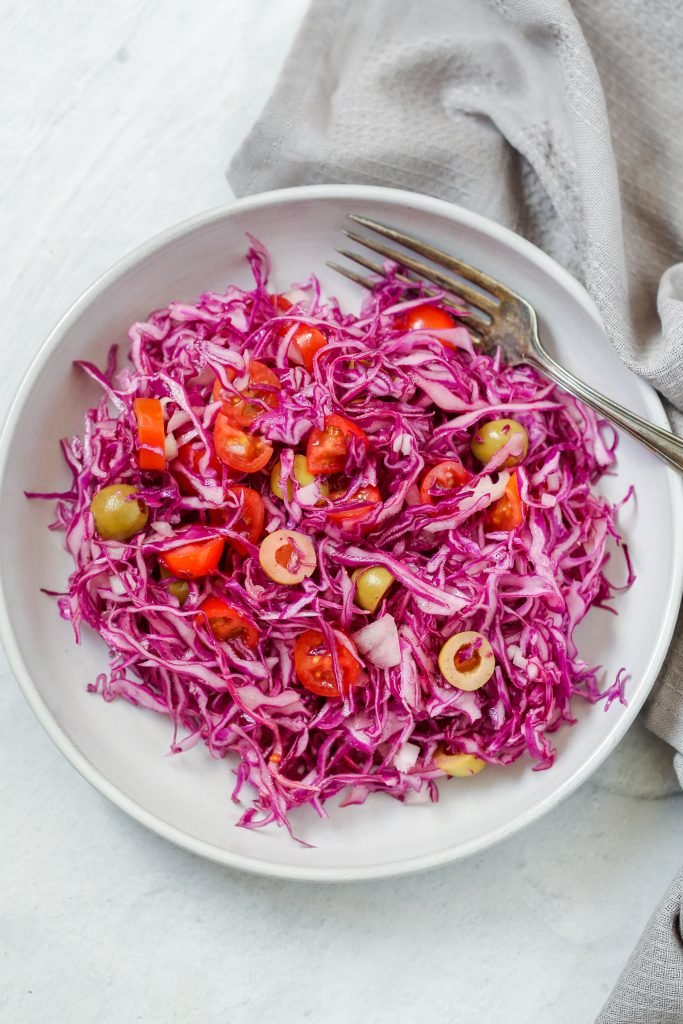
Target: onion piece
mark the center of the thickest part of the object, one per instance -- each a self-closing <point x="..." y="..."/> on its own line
<point x="378" y="642"/>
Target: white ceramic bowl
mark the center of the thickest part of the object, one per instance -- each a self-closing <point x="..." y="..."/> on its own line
<point x="120" y="749"/>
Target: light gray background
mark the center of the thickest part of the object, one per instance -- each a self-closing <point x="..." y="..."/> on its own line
<point x="116" y="120"/>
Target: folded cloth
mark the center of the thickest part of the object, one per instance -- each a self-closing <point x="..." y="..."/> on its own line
<point x="650" y="986"/>
<point x="561" y="120"/>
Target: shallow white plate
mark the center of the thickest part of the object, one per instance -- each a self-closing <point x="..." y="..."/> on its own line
<point x="120" y="749"/>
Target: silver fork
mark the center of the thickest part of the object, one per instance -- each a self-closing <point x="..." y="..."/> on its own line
<point x="498" y="316"/>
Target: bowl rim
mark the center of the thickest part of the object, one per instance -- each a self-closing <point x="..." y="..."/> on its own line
<point x="510" y="240"/>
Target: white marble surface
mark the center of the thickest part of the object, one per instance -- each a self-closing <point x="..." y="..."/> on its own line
<point x="118" y="119"/>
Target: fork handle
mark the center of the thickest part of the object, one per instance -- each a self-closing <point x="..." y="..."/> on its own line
<point x="662" y="442"/>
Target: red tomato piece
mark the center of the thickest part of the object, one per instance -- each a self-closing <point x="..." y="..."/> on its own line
<point x="282" y="304"/>
<point x="149" y="414"/>
<point x="442" y="478"/>
<point x="190" y="561"/>
<point x="327" y="449"/>
<point x="366" y="497"/>
<point x="249" y="522"/>
<point x="508" y="512"/>
<point x="314" y="667"/>
<point x="243" y="407"/>
<point x="189" y="457"/>
<point x="308" y="341"/>
<point x="238" y="449"/>
<point x="226" y="622"/>
<point x="426" y="318"/>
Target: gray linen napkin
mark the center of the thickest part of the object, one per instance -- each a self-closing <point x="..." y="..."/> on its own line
<point x="564" y="122"/>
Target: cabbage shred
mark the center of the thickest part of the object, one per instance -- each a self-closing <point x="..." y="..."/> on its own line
<point x="419" y="402"/>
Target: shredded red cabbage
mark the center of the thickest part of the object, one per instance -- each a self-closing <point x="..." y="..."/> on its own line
<point x="418" y="396"/>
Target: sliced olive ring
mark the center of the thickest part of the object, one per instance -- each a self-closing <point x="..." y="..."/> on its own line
<point x="467" y="661"/>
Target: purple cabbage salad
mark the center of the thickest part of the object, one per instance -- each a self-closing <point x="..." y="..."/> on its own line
<point x="350" y="550"/>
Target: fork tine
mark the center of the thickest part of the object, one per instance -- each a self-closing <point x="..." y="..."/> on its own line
<point x="470" y="273"/>
<point x="474" y="298"/>
<point x="473" y="324"/>
<point x="369" y="264"/>
<point x="364" y="282"/>
<point x="377" y="268"/>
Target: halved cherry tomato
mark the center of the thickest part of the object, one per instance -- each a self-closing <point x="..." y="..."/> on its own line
<point x="508" y="512"/>
<point x="442" y="478"/>
<point x="226" y="622"/>
<point x="190" y="561"/>
<point x="326" y="450"/>
<point x="238" y="449"/>
<point x="366" y="497"/>
<point x="249" y="523"/>
<point x="189" y="457"/>
<point x="149" y="414"/>
<point x="426" y="318"/>
<point x="313" y="664"/>
<point x="308" y="341"/>
<point x="243" y="407"/>
<point x="282" y="304"/>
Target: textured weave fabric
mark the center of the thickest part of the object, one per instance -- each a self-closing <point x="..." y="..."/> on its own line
<point x="562" y="121"/>
<point x="650" y="988"/>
